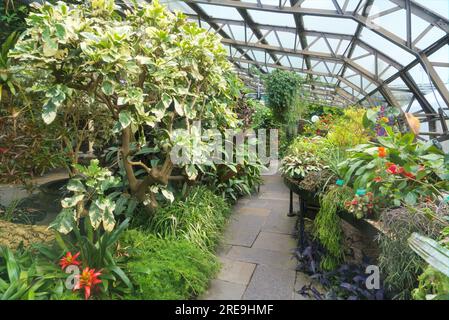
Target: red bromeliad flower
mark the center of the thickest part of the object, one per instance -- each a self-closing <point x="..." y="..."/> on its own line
<point x="69" y="260"/>
<point x="393" y="169"/>
<point x="87" y="280"/>
<point x="354" y="202"/>
<point x="382" y="152"/>
<point x="3" y="150"/>
<point x="378" y="179"/>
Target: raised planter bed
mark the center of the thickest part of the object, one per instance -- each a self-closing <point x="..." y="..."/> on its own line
<point x="360" y="234"/>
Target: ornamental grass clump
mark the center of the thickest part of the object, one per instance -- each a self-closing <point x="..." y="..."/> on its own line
<point x="398" y="263"/>
<point x="199" y="219"/>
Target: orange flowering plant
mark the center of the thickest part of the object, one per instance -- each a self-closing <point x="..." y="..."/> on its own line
<point x="397" y="170"/>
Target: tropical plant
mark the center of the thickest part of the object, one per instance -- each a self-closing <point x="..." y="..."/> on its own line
<point x="28" y="275"/>
<point x="87" y="224"/>
<point x="12" y="18"/>
<point x="96" y="196"/>
<point x="362" y="205"/>
<point x="166" y="269"/>
<point x="397" y="170"/>
<point x="297" y="168"/>
<point x="153" y="73"/>
<point x="233" y="181"/>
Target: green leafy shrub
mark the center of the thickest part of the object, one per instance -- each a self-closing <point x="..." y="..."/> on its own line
<point x="433" y="285"/>
<point x="199" y="219"/>
<point x="166" y="269"/>
<point x="152" y="72"/>
<point x="348" y="130"/>
<point x="263" y="116"/>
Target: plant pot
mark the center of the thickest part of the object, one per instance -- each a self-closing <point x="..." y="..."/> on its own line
<point x="310" y="198"/>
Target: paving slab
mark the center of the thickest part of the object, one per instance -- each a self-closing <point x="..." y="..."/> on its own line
<point x="271" y="258"/>
<point x="274" y="196"/>
<point x="257" y="253"/>
<point x="275" y="242"/>
<point x="243" y="229"/>
<point x="223" y="290"/>
<point x="236" y="271"/>
<point x="279" y="222"/>
<point x="269" y="283"/>
<point x="263" y="212"/>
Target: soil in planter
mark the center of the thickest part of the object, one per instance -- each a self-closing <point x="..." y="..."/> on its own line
<point x="315" y="181"/>
<point x="13" y="235"/>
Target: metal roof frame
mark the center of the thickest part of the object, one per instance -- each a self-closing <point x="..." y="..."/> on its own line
<point x="351" y="82"/>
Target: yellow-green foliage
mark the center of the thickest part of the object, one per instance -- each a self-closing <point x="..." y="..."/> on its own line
<point x="302" y="145"/>
<point x="348" y="131"/>
<point x="432" y="285"/>
<point x="166" y="269"/>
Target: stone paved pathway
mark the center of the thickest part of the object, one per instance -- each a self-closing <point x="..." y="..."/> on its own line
<point x="257" y="250"/>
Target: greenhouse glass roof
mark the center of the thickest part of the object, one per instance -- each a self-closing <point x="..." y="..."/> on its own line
<point x="367" y="52"/>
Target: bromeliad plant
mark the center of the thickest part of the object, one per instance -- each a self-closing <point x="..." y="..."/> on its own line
<point x="87" y="225"/>
<point x="397" y="170"/>
<point x="152" y="71"/>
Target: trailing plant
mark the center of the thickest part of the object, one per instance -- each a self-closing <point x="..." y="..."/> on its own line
<point x="398" y="263"/>
<point x="166" y="269"/>
<point x="199" y="218"/>
<point x="327" y="228"/>
<point x="263" y="117"/>
<point x="282" y="89"/>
